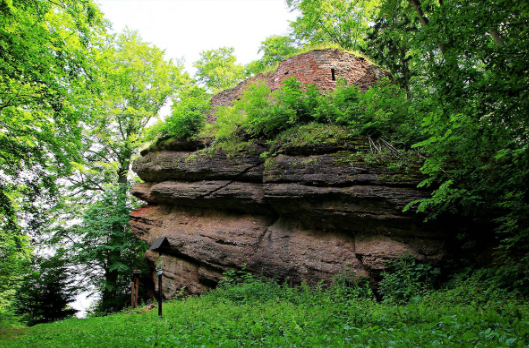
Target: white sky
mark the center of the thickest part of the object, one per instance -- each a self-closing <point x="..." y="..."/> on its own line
<point x="183" y="28"/>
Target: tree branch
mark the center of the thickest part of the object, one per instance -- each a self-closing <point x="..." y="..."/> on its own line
<point x="425" y="21"/>
<point x="497" y="37"/>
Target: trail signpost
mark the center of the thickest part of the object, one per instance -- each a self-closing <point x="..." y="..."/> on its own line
<point x="135" y="293"/>
<point x="159" y="245"/>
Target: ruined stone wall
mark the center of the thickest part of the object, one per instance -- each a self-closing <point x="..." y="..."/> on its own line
<point x="321" y="68"/>
<point x="226" y="97"/>
<point x="316" y="67"/>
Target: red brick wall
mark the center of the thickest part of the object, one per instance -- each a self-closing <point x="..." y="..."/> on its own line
<point x="314" y="67"/>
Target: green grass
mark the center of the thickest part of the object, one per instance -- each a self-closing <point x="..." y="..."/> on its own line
<point x="263" y="314"/>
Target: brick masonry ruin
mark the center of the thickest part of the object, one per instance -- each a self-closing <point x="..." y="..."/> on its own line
<point x="321" y="68"/>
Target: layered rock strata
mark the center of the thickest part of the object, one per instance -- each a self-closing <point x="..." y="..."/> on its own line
<point x="296" y="217"/>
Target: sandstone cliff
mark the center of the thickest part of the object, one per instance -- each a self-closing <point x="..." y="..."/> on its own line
<point x="309" y="213"/>
<point x="305" y="217"/>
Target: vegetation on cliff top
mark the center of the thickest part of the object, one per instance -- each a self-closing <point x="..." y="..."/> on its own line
<point x="297" y="114"/>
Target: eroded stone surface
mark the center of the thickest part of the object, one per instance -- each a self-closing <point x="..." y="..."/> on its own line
<point x="341" y="168"/>
<point x="167" y="165"/>
<point x="302" y="218"/>
<point x="290" y="251"/>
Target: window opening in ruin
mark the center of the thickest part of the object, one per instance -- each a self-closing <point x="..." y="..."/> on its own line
<point x="333" y="75"/>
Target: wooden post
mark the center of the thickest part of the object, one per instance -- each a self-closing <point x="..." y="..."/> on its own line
<point x="137" y="292"/>
<point x="158" y="245"/>
<point x="160" y="289"/>
<point x="132" y="293"/>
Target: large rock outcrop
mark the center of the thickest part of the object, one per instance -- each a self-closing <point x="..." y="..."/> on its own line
<point x="310" y="213"/>
<point x="297" y="217"/>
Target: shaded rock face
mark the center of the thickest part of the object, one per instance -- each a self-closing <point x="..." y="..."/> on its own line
<point x="297" y="217"/>
<point x="309" y="214"/>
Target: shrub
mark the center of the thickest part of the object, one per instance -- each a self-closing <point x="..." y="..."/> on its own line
<point x="381" y="111"/>
<point x="476" y="287"/>
<point x="252" y="107"/>
<point x="405" y="279"/>
<point x="243" y="287"/>
<point x="188" y="115"/>
<point x="46" y="291"/>
<point x="352" y="285"/>
<point x="263" y="114"/>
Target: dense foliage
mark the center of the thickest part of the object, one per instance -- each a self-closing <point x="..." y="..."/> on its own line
<point x="465" y="66"/>
<point x="247" y="311"/>
<point x="104" y="248"/>
<point x="342" y="22"/>
<point x="405" y="279"/>
<point x="136" y="83"/>
<point x="188" y="115"/>
<point x="73" y="106"/>
<point x="217" y="69"/>
<point x="47" y="53"/>
<point x="46" y="67"/>
<point x="46" y="291"/>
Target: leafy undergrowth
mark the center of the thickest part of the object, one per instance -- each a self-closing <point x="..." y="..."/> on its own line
<point x="256" y="313"/>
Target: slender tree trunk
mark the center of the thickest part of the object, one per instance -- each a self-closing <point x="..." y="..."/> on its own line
<point x="123" y="172"/>
<point x="497" y="37"/>
<point x="422" y="18"/>
<point x="425" y="21"/>
<point x="124" y="165"/>
<point x="109" y="295"/>
<point x="405" y="70"/>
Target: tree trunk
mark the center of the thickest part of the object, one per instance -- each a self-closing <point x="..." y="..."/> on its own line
<point x="425" y="21"/>
<point x="422" y="18"/>
<point x="497" y="37"/>
<point x="123" y="171"/>
<point x="108" y="296"/>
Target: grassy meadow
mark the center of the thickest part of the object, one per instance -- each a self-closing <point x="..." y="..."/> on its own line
<point x="255" y="313"/>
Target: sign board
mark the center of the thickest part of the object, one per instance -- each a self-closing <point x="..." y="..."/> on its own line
<point x="160" y="244"/>
<point x="159" y="261"/>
